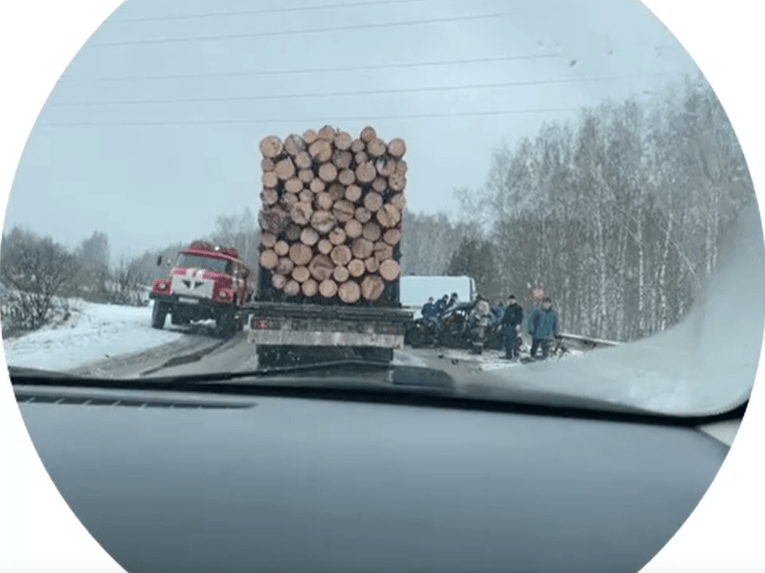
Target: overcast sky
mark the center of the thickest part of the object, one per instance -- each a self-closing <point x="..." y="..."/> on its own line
<point x="153" y="130"/>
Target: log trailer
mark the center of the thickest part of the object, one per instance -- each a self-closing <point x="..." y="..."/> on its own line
<point x="330" y="231"/>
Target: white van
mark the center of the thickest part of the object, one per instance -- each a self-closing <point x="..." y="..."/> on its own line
<point x="415" y="290"/>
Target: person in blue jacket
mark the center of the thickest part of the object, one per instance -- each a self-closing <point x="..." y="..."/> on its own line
<point x="543" y="328"/>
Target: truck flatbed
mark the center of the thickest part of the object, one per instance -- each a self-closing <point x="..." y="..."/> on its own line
<point x="282" y="331"/>
<point x="321" y="311"/>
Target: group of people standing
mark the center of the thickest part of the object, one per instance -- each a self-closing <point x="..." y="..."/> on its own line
<point x="542" y="325"/>
<point x="435" y="308"/>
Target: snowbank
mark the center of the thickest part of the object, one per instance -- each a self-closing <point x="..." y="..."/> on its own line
<point x="704" y="365"/>
<point x="92" y="333"/>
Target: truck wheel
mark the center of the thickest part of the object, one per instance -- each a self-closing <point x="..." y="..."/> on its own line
<point x="226" y="324"/>
<point x="268" y="356"/>
<point x="158" y="315"/>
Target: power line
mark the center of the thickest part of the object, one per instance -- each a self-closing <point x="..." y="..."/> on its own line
<point x="330" y="94"/>
<point x="307" y="121"/>
<point x="263" y="11"/>
<point x="312" y="70"/>
<point x="295" y="32"/>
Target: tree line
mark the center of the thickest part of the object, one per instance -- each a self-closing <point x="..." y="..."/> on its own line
<point x="617" y="215"/>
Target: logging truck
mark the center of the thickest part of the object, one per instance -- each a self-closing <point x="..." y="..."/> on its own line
<point x="330" y="231"/>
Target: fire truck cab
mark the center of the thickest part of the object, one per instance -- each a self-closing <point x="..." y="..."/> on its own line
<point x="207" y="282"/>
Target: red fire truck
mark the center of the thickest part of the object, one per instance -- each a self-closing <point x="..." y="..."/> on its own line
<point x="207" y="282"/>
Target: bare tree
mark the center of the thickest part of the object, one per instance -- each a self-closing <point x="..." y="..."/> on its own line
<point x="36" y="270"/>
<point x="128" y="283"/>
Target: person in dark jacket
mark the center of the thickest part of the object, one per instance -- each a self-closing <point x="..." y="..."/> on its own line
<point x="511" y="325"/>
<point x="441" y="305"/>
<point x="429" y="309"/>
<point x="543" y="328"/>
<point x="452" y="303"/>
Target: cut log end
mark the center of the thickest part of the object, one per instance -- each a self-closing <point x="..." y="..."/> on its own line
<point x="341" y="255"/>
<point x="353" y="193"/>
<point x="373" y="201"/>
<point x="337" y="236"/>
<point x="300" y="254"/>
<point x="376" y="147"/>
<point x="388" y="216"/>
<point x="371" y="264"/>
<point x="269" y="259"/>
<point x="389" y="270"/>
<point x="346" y="177"/>
<point x="321" y="267"/>
<point x="323" y="222"/>
<point x="363" y="214"/>
<point x="357" y="268"/>
<point x="309" y="236"/>
<point x="397" y="147"/>
<point x="325" y="246"/>
<point x="293" y="185"/>
<point x="372" y="287"/>
<point x="301" y="274"/>
<point x="328" y="288"/>
<point x="310" y="288"/>
<point x="343" y="141"/>
<point x="366" y="172"/>
<point x="353" y="229"/>
<point x="349" y="292"/>
<point x="267" y="239"/>
<point x="285" y="169"/>
<point x="271" y="146"/>
<point x="368" y="134"/>
<point x="371" y="231"/>
<point x="301" y="213"/>
<point x="362" y="248"/>
<point x="293" y="144"/>
<point x="278" y="281"/>
<point x="281" y="248"/>
<point x="292" y="288"/>
<point x="392" y="237"/>
<point x="285" y="266"/>
<point x="340" y="274"/>
<point x="309" y="136"/>
<point x="317" y="185"/>
<point x="327" y="172"/>
<point x="343" y="211"/>
<point x="269" y="180"/>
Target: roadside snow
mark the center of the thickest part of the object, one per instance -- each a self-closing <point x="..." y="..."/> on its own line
<point x="92" y="333"/>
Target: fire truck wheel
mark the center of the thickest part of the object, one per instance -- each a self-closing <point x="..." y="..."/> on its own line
<point x="158" y="315"/>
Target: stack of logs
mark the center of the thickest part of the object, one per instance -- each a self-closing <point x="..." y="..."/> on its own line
<point x="331" y="213"/>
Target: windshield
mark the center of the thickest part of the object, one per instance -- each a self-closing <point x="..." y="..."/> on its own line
<point x="543" y="196"/>
<point x="199" y="262"/>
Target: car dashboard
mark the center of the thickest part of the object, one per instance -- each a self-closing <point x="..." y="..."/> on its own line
<point x="184" y="481"/>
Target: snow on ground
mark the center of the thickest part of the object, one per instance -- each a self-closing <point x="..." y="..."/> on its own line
<point x="92" y="333"/>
